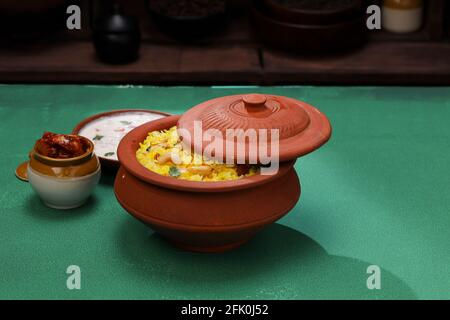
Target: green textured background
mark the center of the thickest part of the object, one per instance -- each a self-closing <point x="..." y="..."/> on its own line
<point x="377" y="193"/>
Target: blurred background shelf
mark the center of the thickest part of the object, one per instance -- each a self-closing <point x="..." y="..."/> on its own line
<point x="410" y="63"/>
<point x="233" y="56"/>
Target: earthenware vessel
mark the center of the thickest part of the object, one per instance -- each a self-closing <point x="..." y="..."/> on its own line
<point x="218" y="216"/>
<point x="320" y="38"/>
<point x="191" y="26"/>
<point x="313" y="16"/>
<point x="64" y="183"/>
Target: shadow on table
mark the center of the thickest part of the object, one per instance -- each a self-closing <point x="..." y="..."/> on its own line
<point x="37" y="209"/>
<point x="279" y="262"/>
<point x="108" y="176"/>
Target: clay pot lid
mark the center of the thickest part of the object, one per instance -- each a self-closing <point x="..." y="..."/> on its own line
<point x="301" y="127"/>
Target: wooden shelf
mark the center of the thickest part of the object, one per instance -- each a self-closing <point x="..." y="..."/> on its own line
<point x="376" y="63"/>
<point x="231" y="57"/>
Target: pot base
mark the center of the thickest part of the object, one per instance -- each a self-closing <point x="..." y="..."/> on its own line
<point x="73" y="206"/>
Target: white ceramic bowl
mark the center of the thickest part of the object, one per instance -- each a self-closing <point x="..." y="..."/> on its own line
<point x="63" y="193"/>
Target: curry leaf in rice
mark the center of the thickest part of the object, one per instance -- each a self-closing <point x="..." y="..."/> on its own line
<point x="174" y="172"/>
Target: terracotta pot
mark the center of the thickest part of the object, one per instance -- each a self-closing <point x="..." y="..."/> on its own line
<point x="344" y="35"/>
<point x="312" y="17"/>
<point x="218" y="216"/>
<point x="201" y="216"/>
<point x="188" y="28"/>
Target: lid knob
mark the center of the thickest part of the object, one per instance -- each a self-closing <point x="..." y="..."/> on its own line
<point x="254" y="100"/>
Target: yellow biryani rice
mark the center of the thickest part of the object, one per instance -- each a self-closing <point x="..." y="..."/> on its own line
<point x="161" y="152"/>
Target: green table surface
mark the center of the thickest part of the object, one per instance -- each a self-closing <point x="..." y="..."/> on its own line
<point x="377" y="194"/>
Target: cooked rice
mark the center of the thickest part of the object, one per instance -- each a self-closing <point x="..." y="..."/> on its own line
<point x="161" y="149"/>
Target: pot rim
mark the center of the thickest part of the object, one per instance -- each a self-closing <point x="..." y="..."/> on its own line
<point x="65" y="162"/>
<point x="188" y="19"/>
<point x="127" y="156"/>
<point x="307" y="27"/>
<point x="354" y="5"/>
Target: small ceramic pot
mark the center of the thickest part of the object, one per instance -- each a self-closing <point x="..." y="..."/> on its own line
<point x="64" y="183"/>
<point x="402" y="16"/>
